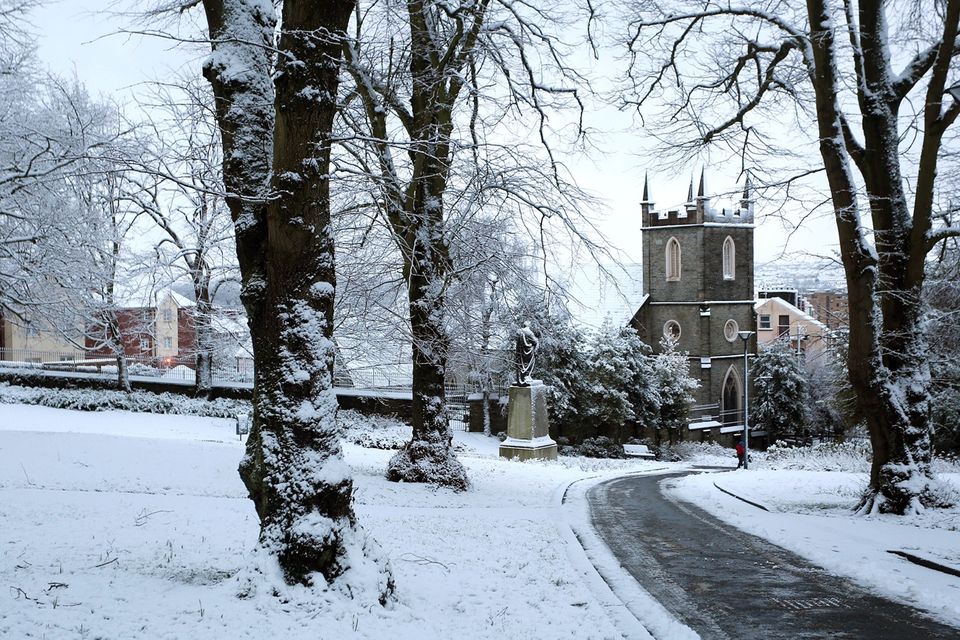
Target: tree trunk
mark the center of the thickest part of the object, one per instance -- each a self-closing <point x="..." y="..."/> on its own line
<point x="885" y="362"/>
<point x="428" y="457"/>
<point x="204" y="339"/>
<point x="293" y="468"/>
<point x="123" y="373"/>
<point x="115" y="340"/>
<point x="486" y="408"/>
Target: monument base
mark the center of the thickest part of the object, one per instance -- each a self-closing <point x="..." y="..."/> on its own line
<point x="537" y="449"/>
<point x="528" y="425"/>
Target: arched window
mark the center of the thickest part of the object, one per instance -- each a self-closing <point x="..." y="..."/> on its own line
<point x="731" y="412"/>
<point x="729" y="259"/>
<point x="673" y="259"/>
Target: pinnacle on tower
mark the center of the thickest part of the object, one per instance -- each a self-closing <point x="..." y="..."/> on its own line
<point x="646" y="189"/>
<point x="746" y="202"/>
<point x="646" y="205"/>
<point x="690" y="190"/>
<point x="702" y="191"/>
<point x="747" y="185"/>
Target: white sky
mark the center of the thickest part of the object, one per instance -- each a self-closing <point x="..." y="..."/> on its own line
<point x="74" y="37"/>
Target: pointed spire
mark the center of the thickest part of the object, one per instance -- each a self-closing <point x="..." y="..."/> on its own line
<point x="646" y="205"/>
<point x="702" y="191"/>
<point x="690" y="190"/>
<point x="746" y="202"/>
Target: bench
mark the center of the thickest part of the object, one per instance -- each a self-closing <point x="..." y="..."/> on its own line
<point x="638" y="451"/>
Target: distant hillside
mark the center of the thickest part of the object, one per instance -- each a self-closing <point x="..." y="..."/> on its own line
<point x="802" y="273"/>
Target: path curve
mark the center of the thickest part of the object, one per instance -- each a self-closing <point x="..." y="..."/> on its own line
<point x="729" y="585"/>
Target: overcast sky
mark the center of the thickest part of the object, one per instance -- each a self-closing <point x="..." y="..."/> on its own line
<point x="73" y="36"/>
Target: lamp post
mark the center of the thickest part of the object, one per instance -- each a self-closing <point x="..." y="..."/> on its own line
<point x="745" y="336"/>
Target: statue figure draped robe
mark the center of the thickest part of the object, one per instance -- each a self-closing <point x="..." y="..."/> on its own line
<point x="527" y="343"/>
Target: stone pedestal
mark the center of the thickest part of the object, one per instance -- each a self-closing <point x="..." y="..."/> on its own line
<point x="528" y="425"/>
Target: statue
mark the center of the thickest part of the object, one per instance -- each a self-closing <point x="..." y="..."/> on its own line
<point x="527" y="343"/>
<point x="528" y="421"/>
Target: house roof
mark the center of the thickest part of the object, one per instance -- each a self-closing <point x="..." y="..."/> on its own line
<point x="609" y="291"/>
<point x="181" y="301"/>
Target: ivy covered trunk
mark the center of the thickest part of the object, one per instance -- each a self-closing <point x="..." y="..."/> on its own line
<point x="419" y="225"/>
<point x="428" y="457"/>
<point x="275" y="123"/>
<point x="886" y="360"/>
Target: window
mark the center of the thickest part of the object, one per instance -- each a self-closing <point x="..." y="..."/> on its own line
<point x="167" y="315"/>
<point x="730" y="330"/>
<point x="764" y="322"/>
<point x="783" y="326"/>
<point x="673" y="259"/>
<point x="32" y="330"/>
<point x="730" y="410"/>
<point x="671" y="330"/>
<point x="729" y="259"/>
<point x="168" y="343"/>
<point x="144" y="344"/>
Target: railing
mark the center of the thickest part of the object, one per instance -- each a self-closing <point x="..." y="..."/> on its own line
<point x="98" y="364"/>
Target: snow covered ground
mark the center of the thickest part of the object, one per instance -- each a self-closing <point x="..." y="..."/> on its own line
<point x="810" y="514"/>
<point x="121" y="525"/>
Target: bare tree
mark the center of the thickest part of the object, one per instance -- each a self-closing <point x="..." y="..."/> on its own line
<point x="731" y="74"/>
<point x="48" y="129"/>
<point x="419" y="132"/>
<point x="181" y="192"/>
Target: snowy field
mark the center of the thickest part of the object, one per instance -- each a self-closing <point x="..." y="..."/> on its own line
<point x="810" y="514"/>
<point x="122" y="525"/>
<point x="128" y="525"/>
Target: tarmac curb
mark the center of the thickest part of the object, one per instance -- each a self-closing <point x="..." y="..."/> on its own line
<point x="741" y="498"/>
<point x="924" y="562"/>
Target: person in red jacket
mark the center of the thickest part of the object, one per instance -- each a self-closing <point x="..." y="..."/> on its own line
<point x="741" y="454"/>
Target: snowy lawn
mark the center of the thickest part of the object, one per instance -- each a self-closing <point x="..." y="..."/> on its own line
<point x="811" y="514"/>
<point x="122" y="525"/>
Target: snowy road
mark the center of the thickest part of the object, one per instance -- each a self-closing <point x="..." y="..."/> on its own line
<point x="726" y="584"/>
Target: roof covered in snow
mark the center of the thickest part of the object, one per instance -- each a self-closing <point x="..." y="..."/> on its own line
<point x="766" y="305"/>
<point x="613" y="292"/>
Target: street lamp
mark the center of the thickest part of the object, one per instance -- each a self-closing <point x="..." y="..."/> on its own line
<point x="745" y="336"/>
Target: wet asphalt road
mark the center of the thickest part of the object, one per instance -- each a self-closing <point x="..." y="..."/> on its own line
<point x="726" y="584"/>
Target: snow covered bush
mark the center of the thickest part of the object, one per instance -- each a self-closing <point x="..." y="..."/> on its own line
<point x="376" y="431"/>
<point x="616" y="383"/>
<point x="603" y="380"/>
<point x="780" y="392"/>
<point x="115" y="400"/>
<point x="852" y="456"/>
<point x="674" y="389"/>
<point x="145" y="370"/>
<point x="561" y="362"/>
<point x="599" y="447"/>
<point x="945" y="409"/>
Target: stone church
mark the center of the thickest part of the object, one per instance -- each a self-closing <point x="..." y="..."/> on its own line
<point x="698" y="288"/>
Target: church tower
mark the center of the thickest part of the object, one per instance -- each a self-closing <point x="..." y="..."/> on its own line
<point x="698" y="286"/>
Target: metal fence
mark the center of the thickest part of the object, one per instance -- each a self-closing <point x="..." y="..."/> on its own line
<point x="164" y="368"/>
